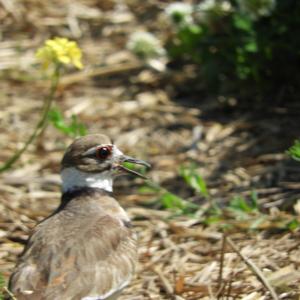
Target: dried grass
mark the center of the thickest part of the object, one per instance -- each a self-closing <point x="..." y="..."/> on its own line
<point x="179" y="258"/>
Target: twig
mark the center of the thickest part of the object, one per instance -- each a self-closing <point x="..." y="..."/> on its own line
<point x="222" y="261"/>
<point x="253" y="268"/>
<point x="10" y="294"/>
<point x="165" y="282"/>
<point x="211" y="294"/>
<point x="228" y="293"/>
<point x="102" y="71"/>
<point x="40" y="125"/>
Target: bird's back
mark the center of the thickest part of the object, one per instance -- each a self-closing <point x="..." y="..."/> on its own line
<point x="85" y="250"/>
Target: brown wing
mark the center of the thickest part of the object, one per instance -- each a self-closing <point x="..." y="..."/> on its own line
<point x="75" y="258"/>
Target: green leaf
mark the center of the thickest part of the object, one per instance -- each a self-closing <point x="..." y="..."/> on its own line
<point x="73" y="129"/>
<point x="195" y="29"/>
<point x="213" y="215"/>
<point x="242" y="22"/>
<point x="171" y="201"/>
<point x="180" y="206"/>
<point x="194" y="180"/>
<point x="251" y="46"/>
<point x="293" y="225"/>
<point x="212" y="220"/>
<point x="254" y="200"/>
<point x="257" y="222"/>
<point x="145" y="189"/>
<point x="242" y="208"/>
<point x="134" y="167"/>
<point x="2" y="285"/>
<point x="76" y="128"/>
<point x="294" y="151"/>
<point x="238" y="203"/>
<point x="201" y="185"/>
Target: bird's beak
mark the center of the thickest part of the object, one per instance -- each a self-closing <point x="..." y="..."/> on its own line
<point x="125" y="158"/>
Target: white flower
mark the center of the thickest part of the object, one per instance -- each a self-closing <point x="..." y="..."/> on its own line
<point x="145" y="45"/>
<point x="207" y="5"/>
<point x="208" y="9"/>
<point x="180" y="13"/>
<point x="214" y="5"/>
<point x="225" y="6"/>
<point x="257" y="8"/>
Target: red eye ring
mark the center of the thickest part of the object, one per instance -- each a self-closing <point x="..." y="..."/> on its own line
<point x="103" y="152"/>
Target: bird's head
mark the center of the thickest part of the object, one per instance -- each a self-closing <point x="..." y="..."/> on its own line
<point x="94" y="161"/>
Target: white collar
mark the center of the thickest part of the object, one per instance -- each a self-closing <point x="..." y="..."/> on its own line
<point x="72" y="179"/>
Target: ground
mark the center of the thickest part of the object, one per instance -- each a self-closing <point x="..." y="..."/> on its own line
<point x="236" y="148"/>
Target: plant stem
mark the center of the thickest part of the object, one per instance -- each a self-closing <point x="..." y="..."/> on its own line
<point x="257" y="272"/>
<point x="10" y="294"/>
<point x="40" y="125"/>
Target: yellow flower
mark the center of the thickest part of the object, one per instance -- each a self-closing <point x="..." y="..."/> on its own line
<point x="60" y="50"/>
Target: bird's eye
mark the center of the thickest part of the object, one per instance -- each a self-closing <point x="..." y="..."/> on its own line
<point x="103" y="152"/>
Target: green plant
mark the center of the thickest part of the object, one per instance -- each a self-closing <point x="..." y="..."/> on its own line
<point x="239" y="213"/>
<point x="54" y="55"/>
<point x="171" y="201"/>
<point x="2" y="286"/>
<point x="292" y="225"/>
<point x="168" y="200"/>
<point x="212" y="215"/>
<point x="176" y="204"/>
<point x="239" y="204"/>
<point x="194" y="180"/>
<point x="139" y="168"/>
<point x="244" y="214"/>
<point x="73" y="128"/>
<point x="294" y="151"/>
<point x="242" y="41"/>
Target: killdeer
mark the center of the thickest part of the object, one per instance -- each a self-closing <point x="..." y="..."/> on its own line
<point x="85" y="250"/>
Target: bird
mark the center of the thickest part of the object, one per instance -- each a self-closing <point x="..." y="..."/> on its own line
<point x="86" y="249"/>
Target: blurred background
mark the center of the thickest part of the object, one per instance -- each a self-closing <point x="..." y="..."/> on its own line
<point x="206" y="91"/>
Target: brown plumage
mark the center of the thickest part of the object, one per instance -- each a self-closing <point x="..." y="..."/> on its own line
<point x="85" y="249"/>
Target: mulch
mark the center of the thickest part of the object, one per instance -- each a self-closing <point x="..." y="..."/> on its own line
<point x="236" y="148"/>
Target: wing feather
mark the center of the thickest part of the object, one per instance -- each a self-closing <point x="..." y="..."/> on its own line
<point x="72" y="262"/>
